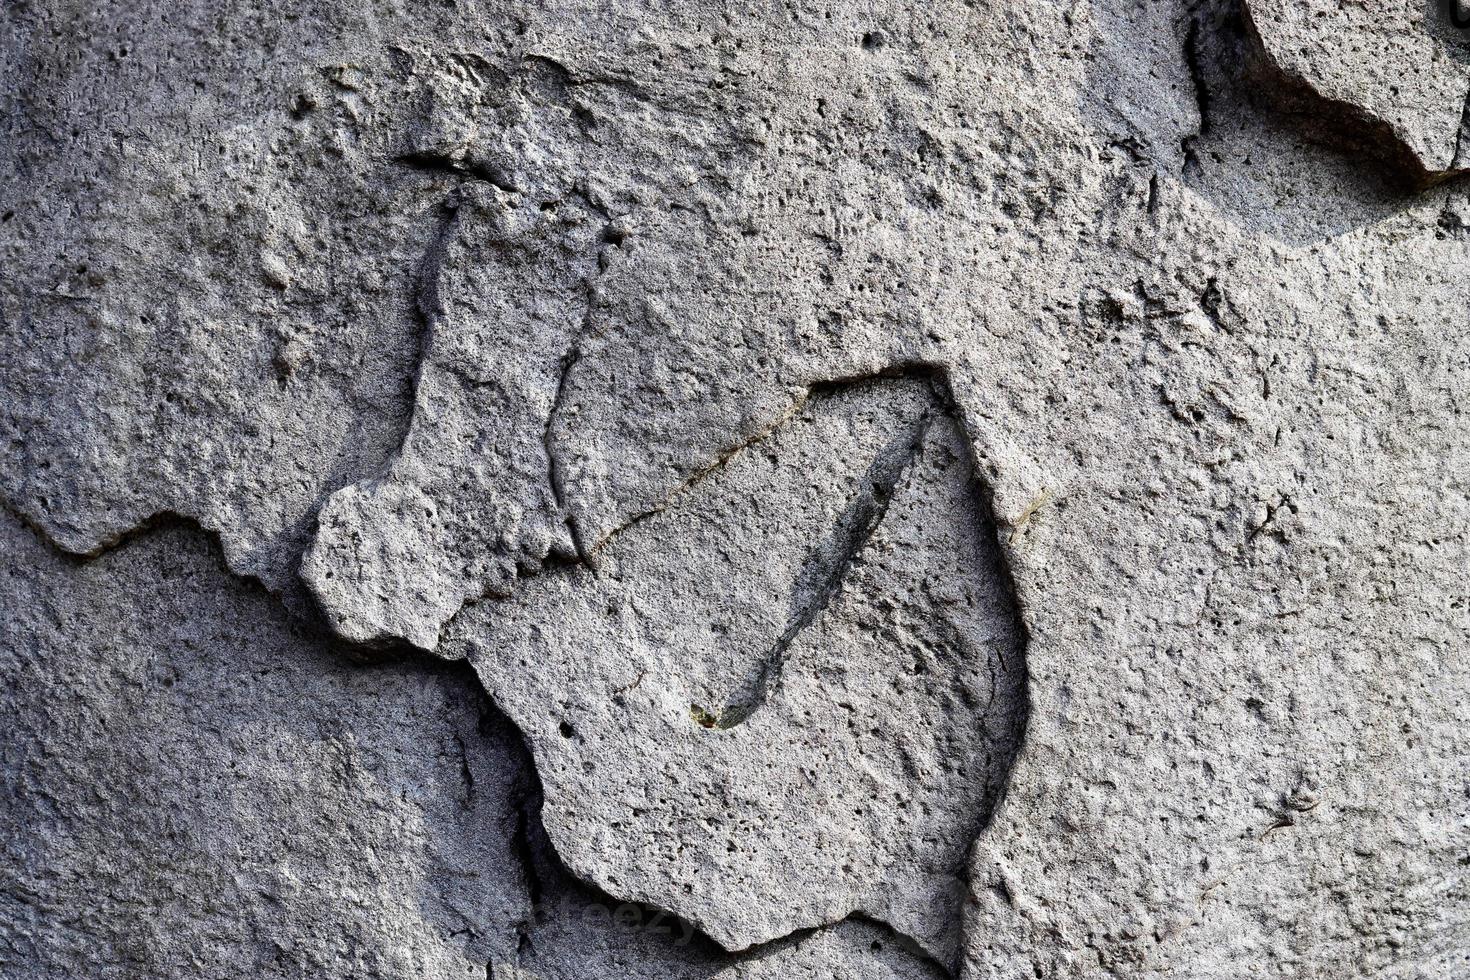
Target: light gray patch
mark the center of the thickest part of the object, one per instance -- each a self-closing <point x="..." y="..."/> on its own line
<point x="792" y="694"/>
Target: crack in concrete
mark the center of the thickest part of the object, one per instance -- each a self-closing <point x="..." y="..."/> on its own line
<point x="554" y="464"/>
<point x="821" y="577"/>
<point x="542" y="871"/>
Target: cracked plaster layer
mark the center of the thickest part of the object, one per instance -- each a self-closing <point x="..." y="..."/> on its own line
<point x="1210" y="370"/>
<point x="795" y="692"/>
<point x="754" y="237"/>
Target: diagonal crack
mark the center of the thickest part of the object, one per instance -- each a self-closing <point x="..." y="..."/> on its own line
<point x="555" y="475"/>
<point x="550" y="887"/>
<point x="822" y="575"/>
<point x="704" y="473"/>
<point x="934" y="376"/>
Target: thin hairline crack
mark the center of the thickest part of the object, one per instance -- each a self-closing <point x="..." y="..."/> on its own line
<point x="935" y="377"/>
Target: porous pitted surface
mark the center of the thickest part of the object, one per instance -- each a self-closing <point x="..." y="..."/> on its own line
<point x="734" y="489"/>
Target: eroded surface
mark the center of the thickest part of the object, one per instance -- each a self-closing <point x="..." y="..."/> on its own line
<point x="499" y="287"/>
<point x="711" y="248"/>
<point x="793" y="694"/>
<point x="1388" y="79"/>
<point x="197" y="787"/>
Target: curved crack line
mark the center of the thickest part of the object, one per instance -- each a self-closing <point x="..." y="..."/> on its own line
<point x="1338" y="120"/>
<point x="422" y="297"/>
<point x="554" y="474"/>
<point x="936" y="376"/>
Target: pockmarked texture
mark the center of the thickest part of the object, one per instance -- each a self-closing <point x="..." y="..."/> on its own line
<point x="195" y="787"/>
<point x="662" y="265"/>
<point x="1388" y="79"/>
<point x="795" y="692"/>
<point x="925" y="487"/>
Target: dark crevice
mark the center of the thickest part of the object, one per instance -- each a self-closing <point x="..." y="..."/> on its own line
<point x="821" y="577"/>
<point x="1271" y="152"/>
<point x="438" y="164"/>
<point x="549" y="884"/>
<point x="613" y="236"/>
<point x="555" y="475"/>
<point x="553" y="890"/>
<point x="1271" y="512"/>
<point x="526" y="798"/>
<point x="1006" y="559"/>
<point x="426" y="301"/>
<point x="157" y="522"/>
<point x="312" y="628"/>
<point x="1458" y="162"/>
<point x="1194" y="62"/>
<point x="824" y="573"/>
<point x="426" y="308"/>
<point x="466" y="774"/>
<point x="926" y="961"/>
<point x="931" y="964"/>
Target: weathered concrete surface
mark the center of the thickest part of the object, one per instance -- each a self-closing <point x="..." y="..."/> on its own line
<point x="1389" y="79"/>
<point x="707" y="259"/>
<point x="209" y="263"/>
<point x="527" y="308"/>
<point x="1279" y="740"/>
<point x="196" y="787"/>
<point x="795" y="692"/>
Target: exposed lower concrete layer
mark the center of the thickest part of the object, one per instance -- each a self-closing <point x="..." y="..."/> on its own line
<point x="795" y="692"/>
<point x="197" y="787"/>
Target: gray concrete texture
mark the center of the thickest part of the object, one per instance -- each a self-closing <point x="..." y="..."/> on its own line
<point x="767" y="488"/>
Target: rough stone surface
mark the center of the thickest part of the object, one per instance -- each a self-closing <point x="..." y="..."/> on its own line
<point x="1389" y="79"/>
<point x="795" y="692"/>
<point x="198" y="787"/>
<point x="921" y="488"/>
